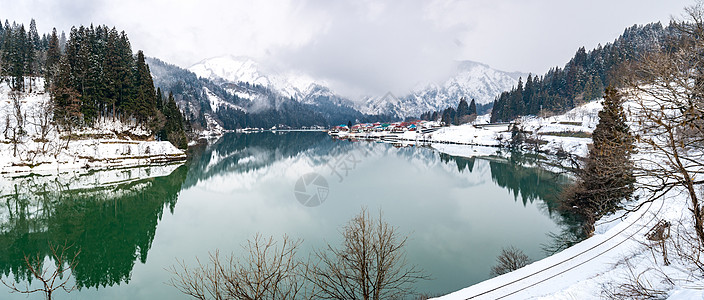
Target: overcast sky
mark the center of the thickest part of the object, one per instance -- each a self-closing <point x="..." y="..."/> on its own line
<point x="359" y="46"/>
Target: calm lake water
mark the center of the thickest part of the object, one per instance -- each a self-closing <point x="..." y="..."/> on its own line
<point x="132" y="224"/>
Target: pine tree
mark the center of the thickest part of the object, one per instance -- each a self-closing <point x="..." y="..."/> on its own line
<point x="173" y="129"/>
<point x="517" y="105"/>
<point x="472" y="108"/>
<point x="53" y="55"/>
<point x="529" y="97"/>
<point x="462" y="111"/>
<point x="607" y="178"/>
<point x="144" y="101"/>
<point x="448" y="116"/>
<point x="33" y="46"/>
<point x="434" y="116"/>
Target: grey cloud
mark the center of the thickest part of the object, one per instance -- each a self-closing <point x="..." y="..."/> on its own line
<point x="360" y="46"/>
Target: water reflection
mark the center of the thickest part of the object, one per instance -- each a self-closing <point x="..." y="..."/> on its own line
<point x="112" y="223"/>
<point x="112" y="216"/>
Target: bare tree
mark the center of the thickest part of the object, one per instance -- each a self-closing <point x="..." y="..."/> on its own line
<point x="268" y="271"/>
<point x="68" y="117"/>
<point x="370" y="264"/>
<point x="15" y="122"/>
<point x="669" y="89"/>
<point x="42" y="120"/>
<point x="52" y="279"/>
<point x="510" y="259"/>
<point x="638" y="285"/>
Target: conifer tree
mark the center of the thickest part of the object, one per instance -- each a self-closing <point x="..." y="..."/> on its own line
<point x="462" y="111"/>
<point x="32" y="55"/>
<point x="145" y="98"/>
<point x="448" y="116"/>
<point x="472" y="108"/>
<point x="607" y="178"/>
<point x="173" y="129"/>
<point x="53" y="55"/>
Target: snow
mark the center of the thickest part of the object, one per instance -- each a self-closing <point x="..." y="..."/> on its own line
<point x="216" y="102"/>
<point x="618" y="252"/>
<point x="230" y="68"/>
<point x="107" y="145"/>
<point x="290" y="84"/>
<point x="582" y="119"/>
<point x="472" y="81"/>
<point x="97" y="184"/>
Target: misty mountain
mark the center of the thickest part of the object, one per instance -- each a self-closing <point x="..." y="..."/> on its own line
<point x="211" y="105"/>
<point x="472" y="80"/>
<point x="231" y="73"/>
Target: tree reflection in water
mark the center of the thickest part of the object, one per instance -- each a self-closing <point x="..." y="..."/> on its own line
<point x="112" y="226"/>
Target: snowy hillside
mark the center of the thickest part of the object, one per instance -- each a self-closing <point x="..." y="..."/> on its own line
<point x="235" y="69"/>
<point x="472" y="81"/>
<point x="32" y="144"/>
<point x="258" y="88"/>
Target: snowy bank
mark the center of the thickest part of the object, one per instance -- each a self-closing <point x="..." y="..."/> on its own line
<point x="566" y="133"/>
<point x="31" y="143"/>
<point x="620" y="256"/>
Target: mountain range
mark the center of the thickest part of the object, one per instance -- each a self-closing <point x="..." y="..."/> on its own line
<point x="230" y="92"/>
<point x="471" y="80"/>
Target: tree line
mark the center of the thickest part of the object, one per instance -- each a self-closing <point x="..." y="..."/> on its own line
<point x="583" y="78"/>
<point x="465" y="113"/>
<point x="92" y="75"/>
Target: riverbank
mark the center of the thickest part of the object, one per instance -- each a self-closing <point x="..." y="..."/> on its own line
<point x="619" y="259"/>
<point x="31" y="143"/>
<point x="560" y="135"/>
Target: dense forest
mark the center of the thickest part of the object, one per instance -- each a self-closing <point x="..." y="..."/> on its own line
<point x="583" y="78"/>
<point x="91" y="75"/>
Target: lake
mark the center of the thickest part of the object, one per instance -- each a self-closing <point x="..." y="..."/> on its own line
<point x="131" y="224"/>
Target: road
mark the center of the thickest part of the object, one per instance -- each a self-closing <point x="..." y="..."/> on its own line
<point x="580" y="262"/>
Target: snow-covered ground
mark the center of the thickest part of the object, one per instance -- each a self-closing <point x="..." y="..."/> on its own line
<point x="107" y="145"/>
<point x="618" y="253"/>
<point x="566" y="133"/>
<point x="617" y="257"/>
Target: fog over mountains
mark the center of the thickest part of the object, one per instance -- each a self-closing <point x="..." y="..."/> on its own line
<point x="472" y="80"/>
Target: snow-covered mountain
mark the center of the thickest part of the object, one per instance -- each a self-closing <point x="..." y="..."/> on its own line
<point x="472" y="80"/>
<point x="234" y="69"/>
<point x="239" y="76"/>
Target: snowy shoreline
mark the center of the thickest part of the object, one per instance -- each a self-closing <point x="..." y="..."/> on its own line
<point x="569" y="133"/>
<point x="619" y="248"/>
<point x="94" y="154"/>
<point x="30" y="142"/>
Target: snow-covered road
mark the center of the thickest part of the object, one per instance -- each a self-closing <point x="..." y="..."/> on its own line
<point x="553" y="275"/>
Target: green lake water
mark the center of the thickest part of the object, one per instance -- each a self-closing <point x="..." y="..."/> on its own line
<point x="130" y="225"/>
